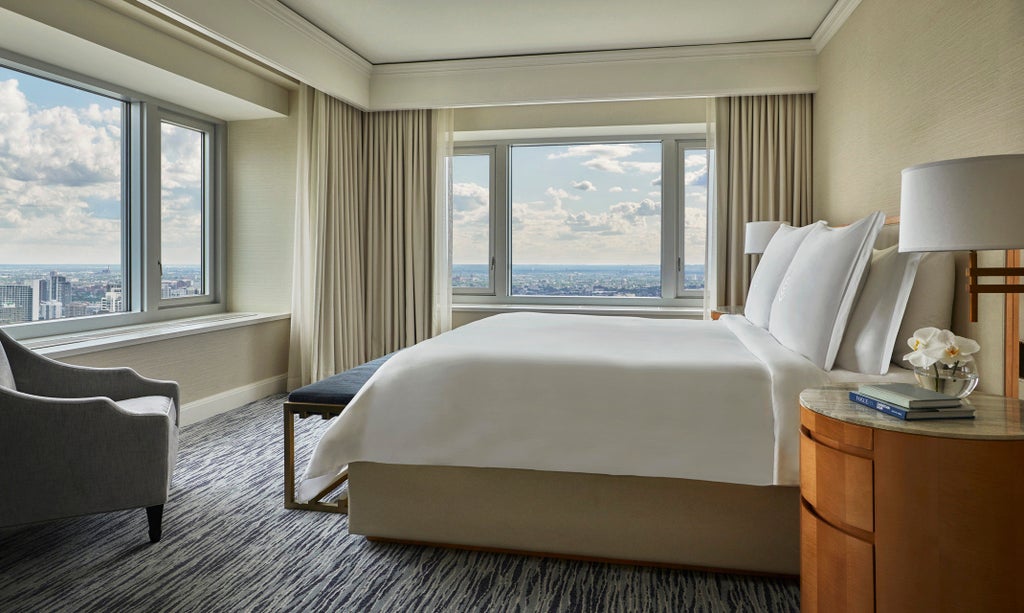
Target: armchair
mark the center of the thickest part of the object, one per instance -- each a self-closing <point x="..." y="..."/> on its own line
<point x="77" y="440"/>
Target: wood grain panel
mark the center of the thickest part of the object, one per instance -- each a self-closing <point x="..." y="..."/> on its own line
<point x="837" y="485"/>
<point x="836" y="569"/>
<point x="948" y="531"/>
<point x="835" y="433"/>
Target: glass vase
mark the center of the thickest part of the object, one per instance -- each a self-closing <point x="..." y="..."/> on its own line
<point x="957" y="381"/>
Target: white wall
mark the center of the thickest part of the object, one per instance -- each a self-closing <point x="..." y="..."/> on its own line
<point x="261" y="214"/>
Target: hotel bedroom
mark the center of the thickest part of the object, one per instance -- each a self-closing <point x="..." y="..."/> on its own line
<point x="582" y="135"/>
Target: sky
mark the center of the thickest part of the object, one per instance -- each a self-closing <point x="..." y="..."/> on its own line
<point x="61" y="178"/>
<point x="596" y="203"/>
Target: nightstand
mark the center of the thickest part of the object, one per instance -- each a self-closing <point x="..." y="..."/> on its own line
<point x="726" y="310"/>
<point x="910" y="516"/>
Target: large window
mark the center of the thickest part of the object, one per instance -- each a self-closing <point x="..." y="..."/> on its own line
<point x="81" y="168"/>
<point x="614" y="221"/>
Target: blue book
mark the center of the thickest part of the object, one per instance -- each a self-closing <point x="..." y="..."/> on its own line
<point x="912" y="414"/>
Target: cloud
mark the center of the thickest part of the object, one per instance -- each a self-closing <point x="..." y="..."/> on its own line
<point x="608" y="157"/>
<point x="60" y="179"/>
<point x="470" y="196"/>
<point x="656" y="181"/>
<point x="585" y="186"/>
<point x="615" y="189"/>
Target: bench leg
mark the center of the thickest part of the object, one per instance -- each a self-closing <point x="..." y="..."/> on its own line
<point x="315" y="504"/>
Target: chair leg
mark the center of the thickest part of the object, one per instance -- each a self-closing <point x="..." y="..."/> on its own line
<point x="155" y="515"/>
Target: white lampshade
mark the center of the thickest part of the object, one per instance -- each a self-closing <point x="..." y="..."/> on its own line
<point x="957" y="205"/>
<point x="757" y="235"/>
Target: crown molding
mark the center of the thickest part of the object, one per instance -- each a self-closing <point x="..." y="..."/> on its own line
<point x="835" y="19"/>
<point x="301" y="25"/>
<point x="732" y="51"/>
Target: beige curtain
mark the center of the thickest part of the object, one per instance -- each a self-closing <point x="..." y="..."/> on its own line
<point x="764" y="172"/>
<point x="327" y="325"/>
<point x="399" y="258"/>
<point x="364" y="276"/>
<point x="444" y="145"/>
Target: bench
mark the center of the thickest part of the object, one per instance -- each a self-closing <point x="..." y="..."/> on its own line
<point x="326" y="398"/>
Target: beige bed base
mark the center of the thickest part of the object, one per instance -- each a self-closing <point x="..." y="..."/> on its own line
<point x="646" y="520"/>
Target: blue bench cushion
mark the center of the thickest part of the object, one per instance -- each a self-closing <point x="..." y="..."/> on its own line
<point x="340" y="388"/>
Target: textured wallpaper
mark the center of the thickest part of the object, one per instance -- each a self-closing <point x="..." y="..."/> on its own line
<point x="912" y="81"/>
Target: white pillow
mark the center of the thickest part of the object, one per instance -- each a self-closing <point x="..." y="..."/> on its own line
<point x="772" y="268"/>
<point x="930" y="302"/>
<point x="871" y="332"/>
<point x="816" y="296"/>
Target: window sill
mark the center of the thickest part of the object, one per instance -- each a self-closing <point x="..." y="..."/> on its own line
<point x="588" y="309"/>
<point x="78" y="343"/>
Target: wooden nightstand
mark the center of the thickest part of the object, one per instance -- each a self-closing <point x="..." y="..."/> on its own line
<point x="910" y="516"/>
<point x="726" y="310"/>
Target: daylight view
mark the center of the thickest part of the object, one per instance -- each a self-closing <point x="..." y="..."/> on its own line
<point x="62" y="203"/>
<point x="585" y="220"/>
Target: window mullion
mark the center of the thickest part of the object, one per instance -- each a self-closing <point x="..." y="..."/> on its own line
<point x="501" y="244"/>
<point x="150" y="262"/>
<point x="671" y="216"/>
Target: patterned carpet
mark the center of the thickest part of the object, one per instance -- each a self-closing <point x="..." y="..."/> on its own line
<point x="229" y="545"/>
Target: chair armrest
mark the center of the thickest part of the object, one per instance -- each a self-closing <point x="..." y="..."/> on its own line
<point x="67" y="456"/>
<point x="38" y="375"/>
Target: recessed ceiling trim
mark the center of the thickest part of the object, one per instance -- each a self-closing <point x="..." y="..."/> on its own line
<point x="295" y="21"/>
<point x="835" y="19"/>
<point x="731" y="51"/>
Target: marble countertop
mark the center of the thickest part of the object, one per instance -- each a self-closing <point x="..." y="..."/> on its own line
<point x="995" y="417"/>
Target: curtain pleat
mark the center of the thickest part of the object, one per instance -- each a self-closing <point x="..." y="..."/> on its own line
<point x="364" y="235"/>
<point x="764" y="173"/>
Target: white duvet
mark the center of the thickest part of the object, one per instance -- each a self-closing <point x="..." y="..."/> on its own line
<point x="714" y="401"/>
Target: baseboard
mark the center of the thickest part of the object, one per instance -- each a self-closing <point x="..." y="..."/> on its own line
<point x="205" y="408"/>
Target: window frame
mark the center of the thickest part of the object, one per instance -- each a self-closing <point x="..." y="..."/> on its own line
<point x="140" y="209"/>
<point x="209" y="131"/>
<point x="672" y="231"/>
<point x="492" y="270"/>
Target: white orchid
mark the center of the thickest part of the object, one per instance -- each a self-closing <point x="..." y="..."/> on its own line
<point x="931" y="345"/>
<point x="918" y="343"/>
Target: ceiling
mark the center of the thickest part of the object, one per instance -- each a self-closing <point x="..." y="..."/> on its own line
<point x="395" y="31"/>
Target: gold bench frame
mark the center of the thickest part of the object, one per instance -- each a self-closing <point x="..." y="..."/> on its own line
<point x="316" y="503"/>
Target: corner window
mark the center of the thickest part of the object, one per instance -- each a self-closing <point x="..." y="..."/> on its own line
<point x="79" y="174"/>
<point x="610" y="221"/>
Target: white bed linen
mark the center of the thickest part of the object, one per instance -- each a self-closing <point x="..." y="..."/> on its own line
<point x="714" y="401"/>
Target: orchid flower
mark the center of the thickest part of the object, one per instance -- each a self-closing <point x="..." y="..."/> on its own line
<point x="922" y="339"/>
<point x="951" y="349"/>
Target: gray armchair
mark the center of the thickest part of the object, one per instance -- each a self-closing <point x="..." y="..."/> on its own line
<point x="76" y="440"/>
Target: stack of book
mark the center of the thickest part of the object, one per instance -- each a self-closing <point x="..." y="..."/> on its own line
<point x="907" y="401"/>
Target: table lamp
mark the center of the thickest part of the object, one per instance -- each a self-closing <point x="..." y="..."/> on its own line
<point x="757" y="234"/>
<point x="966" y="204"/>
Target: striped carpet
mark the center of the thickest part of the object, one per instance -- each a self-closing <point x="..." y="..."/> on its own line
<point x="229" y="545"/>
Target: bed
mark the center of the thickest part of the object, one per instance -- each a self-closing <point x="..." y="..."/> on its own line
<point x="668" y="442"/>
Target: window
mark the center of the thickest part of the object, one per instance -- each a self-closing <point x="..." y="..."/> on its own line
<point x="81" y="167"/>
<point x="183" y="205"/>
<point x="471" y="221"/>
<point x="611" y="221"/>
<point x="62" y="201"/>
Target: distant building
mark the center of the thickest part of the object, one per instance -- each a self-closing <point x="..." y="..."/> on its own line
<point x="112" y="301"/>
<point x="51" y="309"/>
<point x="23" y="299"/>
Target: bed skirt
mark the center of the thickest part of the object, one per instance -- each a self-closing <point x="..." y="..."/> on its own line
<point x="645" y="520"/>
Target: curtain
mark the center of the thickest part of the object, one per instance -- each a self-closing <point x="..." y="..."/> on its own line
<point x="764" y="173"/>
<point x="444" y="145"/>
<point x="367" y="262"/>
<point x="327" y="325"/>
